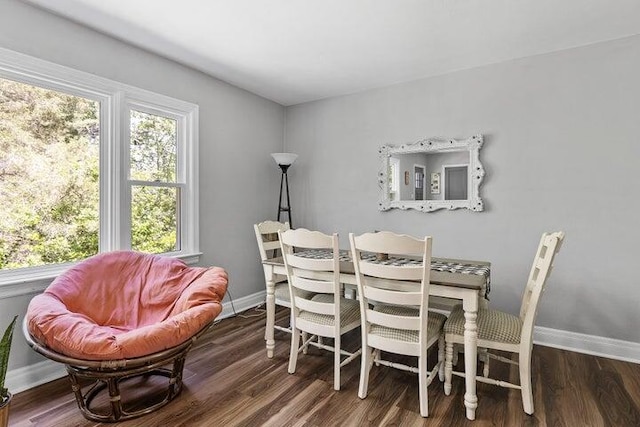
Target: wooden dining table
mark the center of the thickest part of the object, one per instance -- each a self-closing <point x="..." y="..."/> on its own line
<point x="455" y="279"/>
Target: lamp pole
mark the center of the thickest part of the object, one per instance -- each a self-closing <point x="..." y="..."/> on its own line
<point x="284" y="178"/>
<point x="284" y="160"/>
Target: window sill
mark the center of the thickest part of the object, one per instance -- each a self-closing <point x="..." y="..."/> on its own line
<point x="34" y="280"/>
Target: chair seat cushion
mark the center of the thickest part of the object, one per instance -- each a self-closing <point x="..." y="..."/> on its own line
<point x="122" y="305"/>
<point x="493" y="325"/>
<point x="434" y="325"/>
<point x="349" y="311"/>
<point x="282" y="293"/>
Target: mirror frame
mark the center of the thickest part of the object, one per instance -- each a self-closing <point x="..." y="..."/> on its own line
<point x="434" y="145"/>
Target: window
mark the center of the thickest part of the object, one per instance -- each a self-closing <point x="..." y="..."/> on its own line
<point x="153" y="184"/>
<point x="88" y="165"/>
<point x="49" y="186"/>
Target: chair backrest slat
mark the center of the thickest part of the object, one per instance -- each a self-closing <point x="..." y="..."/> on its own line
<point x="392" y="296"/>
<point x="387" y="241"/>
<point x="314" y="307"/>
<point x="391" y="271"/>
<point x="311" y="285"/>
<point x="393" y="320"/>
<point x="310" y="239"/>
<point x="310" y="264"/>
<point x="270" y="246"/>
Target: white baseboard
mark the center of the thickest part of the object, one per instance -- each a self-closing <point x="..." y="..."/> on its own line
<point x="589" y="344"/>
<point x="241" y="304"/>
<point x="27" y="377"/>
<point x="24" y="378"/>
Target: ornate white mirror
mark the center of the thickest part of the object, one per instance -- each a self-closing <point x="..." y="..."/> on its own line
<point x="431" y="174"/>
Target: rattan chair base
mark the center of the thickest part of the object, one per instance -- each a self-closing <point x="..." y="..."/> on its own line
<point x="109" y="382"/>
<point x="107" y="375"/>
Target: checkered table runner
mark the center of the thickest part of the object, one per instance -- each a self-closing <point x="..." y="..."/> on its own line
<point x="449" y="267"/>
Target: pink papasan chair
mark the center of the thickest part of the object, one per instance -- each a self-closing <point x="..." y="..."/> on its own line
<point x="121" y="315"/>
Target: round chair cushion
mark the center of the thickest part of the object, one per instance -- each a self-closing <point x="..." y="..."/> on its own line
<point x="123" y="305"/>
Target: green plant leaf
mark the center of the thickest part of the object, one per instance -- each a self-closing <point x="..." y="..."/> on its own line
<point x="5" y="348"/>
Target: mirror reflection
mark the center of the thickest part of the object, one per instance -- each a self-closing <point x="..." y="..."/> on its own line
<point x="432" y="174"/>
<point x="429" y="176"/>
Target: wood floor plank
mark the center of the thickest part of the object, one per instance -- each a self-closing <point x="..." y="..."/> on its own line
<point x="616" y="405"/>
<point x="301" y="406"/>
<point x="229" y="381"/>
<point x="553" y="378"/>
<point x="630" y="374"/>
<point x="578" y="396"/>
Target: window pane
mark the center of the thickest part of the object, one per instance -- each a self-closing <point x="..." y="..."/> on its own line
<point x="153" y="147"/>
<point x="154" y="214"/>
<point x="49" y="176"/>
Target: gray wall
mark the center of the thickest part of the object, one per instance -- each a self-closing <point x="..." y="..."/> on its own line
<point x="238" y="179"/>
<point x="561" y="152"/>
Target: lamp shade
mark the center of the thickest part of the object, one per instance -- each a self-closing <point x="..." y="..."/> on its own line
<point x="284" y="159"/>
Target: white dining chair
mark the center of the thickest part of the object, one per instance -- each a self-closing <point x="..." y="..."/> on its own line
<point x="502" y="331"/>
<point x="317" y="306"/>
<point x="269" y="247"/>
<point x="394" y="301"/>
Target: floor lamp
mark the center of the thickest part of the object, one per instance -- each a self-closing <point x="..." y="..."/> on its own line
<point x="284" y="160"/>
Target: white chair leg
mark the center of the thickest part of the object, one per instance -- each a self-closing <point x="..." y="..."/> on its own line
<point x="448" y="367"/>
<point x="366" y="360"/>
<point x="305" y="337"/>
<point x="485" y="359"/>
<point x="441" y="358"/>
<point x="293" y="353"/>
<point x="456" y="352"/>
<point x="485" y="369"/>
<point x="525" y="382"/>
<point x="422" y="386"/>
<point x="336" y="363"/>
<point x="271" y="318"/>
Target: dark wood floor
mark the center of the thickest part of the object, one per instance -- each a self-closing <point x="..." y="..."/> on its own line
<point x="230" y="382"/>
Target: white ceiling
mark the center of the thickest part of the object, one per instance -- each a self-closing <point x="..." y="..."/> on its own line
<point x="293" y="51"/>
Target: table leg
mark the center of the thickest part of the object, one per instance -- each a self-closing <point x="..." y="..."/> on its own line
<point x="470" y="356"/>
<point x="271" y="316"/>
<point x="483" y="301"/>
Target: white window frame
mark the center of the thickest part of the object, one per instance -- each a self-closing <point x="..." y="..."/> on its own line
<point x="116" y="99"/>
<point x="184" y="129"/>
